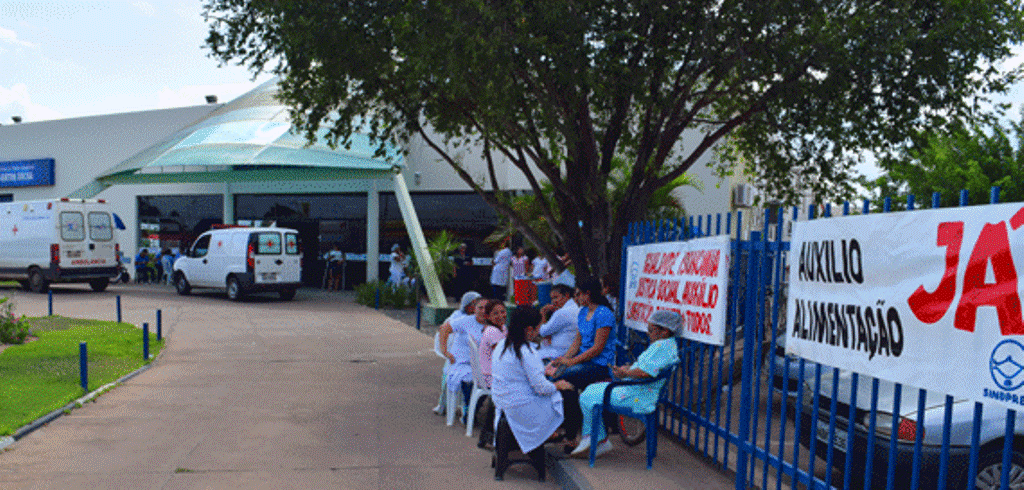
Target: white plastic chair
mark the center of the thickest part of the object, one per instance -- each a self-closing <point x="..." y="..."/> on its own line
<point x="441" y="399"/>
<point x="479" y="386"/>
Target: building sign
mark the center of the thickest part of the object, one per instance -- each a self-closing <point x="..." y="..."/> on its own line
<point x="688" y="277"/>
<point x="926" y="298"/>
<point x="27" y="173"/>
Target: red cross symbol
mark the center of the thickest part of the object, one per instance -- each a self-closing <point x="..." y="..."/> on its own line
<point x="220" y="244"/>
<point x="15" y="230"/>
<point x="270" y="243"/>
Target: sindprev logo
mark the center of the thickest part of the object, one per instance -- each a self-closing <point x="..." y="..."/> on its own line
<point x="1007" y="365"/>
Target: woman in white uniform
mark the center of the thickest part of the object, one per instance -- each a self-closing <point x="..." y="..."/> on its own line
<point x="467" y="307"/>
<point x="460" y="373"/>
<point x="531" y="404"/>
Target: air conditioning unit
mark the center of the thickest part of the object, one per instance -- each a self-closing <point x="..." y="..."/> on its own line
<point x="742" y="196"/>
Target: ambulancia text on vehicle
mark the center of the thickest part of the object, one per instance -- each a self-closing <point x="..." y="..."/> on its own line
<point x="57" y="241"/>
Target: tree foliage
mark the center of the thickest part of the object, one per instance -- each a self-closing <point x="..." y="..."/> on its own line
<point x="561" y="88"/>
<point x="976" y="158"/>
<point x="662" y="205"/>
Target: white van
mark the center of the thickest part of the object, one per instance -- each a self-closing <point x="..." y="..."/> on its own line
<point x="242" y="260"/>
<point x="59" y="240"/>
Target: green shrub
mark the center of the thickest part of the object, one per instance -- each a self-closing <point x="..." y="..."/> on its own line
<point x="13" y="330"/>
<point x="391" y="295"/>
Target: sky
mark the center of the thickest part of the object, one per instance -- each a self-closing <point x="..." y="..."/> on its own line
<point x="64" y="59"/>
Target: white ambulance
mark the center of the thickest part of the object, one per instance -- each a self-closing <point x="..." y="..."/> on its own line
<point x="242" y="260"/>
<point x="60" y="240"/>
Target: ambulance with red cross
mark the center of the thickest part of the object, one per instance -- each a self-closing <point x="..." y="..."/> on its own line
<point x="242" y="260"/>
<point x="57" y="241"/>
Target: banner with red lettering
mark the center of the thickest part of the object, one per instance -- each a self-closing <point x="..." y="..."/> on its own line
<point x="688" y="277"/>
<point x="926" y="298"/>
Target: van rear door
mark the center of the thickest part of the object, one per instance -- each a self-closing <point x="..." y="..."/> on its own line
<point x="268" y="260"/>
<point x="277" y="258"/>
<point x="72" y="246"/>
<point x="292" y="271"/>
<point x="100" y="250"/>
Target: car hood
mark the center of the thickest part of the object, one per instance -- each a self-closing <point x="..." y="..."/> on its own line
<point x="908" y="396"/>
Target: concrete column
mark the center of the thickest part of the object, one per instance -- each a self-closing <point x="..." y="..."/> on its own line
<point x="419" y="243"/>
<point x="229" y="205"/>
<point x="372" y="231"/>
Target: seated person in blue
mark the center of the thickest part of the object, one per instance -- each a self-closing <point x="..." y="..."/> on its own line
<point x="589" y="355"/>
<point x="663" y="353"/>
<point x="142" y="266"/>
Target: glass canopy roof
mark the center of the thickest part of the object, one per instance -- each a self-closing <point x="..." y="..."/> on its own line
<point x="252" y="132"/>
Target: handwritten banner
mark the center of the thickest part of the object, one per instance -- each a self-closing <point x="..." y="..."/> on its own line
<point x="689" y="277"/>
<point x="926" y="298"/>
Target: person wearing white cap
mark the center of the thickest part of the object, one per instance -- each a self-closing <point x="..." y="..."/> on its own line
<point x="663" y="353"/>
<point x="467" y="307"/>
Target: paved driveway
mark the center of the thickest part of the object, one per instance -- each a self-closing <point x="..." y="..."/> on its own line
<point x="313" y="393"/>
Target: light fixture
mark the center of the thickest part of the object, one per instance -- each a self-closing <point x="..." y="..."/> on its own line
<point x="211" y="99"/>
<point x="16" y="119"/>
<point x="416" y="178"/>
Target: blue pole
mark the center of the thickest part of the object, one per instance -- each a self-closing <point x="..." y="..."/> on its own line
<point x="83" y="365"/>
<point x="750" y="305"/>
<point x="49" y="302"/>
<point x="159" y="325"/>
<point x="145" y="341"/>
<point x="119" y="308"/>
<point x="376" y="299"/>
<point x="419" y="312"/>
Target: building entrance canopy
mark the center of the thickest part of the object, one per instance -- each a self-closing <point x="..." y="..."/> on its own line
<point x="251" y="139"/>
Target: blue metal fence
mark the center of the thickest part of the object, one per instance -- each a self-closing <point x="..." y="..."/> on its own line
<point x="783" y="422"/>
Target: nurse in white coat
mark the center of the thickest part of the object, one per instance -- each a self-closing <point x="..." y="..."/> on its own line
<point x="531" y="404"/>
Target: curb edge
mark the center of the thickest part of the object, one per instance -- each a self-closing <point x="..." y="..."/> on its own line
<point x="50" y="417"/>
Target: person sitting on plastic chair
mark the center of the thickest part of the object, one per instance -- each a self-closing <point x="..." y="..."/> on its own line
<point x="467" y="307"/>
<point x="661" y="354"/>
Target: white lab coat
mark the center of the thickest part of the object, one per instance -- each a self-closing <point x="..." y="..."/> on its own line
<point x="562" y="329"/>
<point x="531" y="403"/>
<point x="461" y="370"/>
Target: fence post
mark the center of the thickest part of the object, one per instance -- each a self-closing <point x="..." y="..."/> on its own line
<point x="145" y="341"/>
<point x="419" y="311"/>
<point x="749" y="340"/>
<point x="83" y="366"/>
<point x="620" y="330"/>
<point x="159" y="325"/>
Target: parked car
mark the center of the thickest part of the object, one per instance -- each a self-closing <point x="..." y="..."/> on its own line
<point x="241" y="261"/>
<point x="992" y="430"/>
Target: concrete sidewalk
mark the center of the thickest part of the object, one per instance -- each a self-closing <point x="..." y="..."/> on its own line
<point x="312" y="393"/>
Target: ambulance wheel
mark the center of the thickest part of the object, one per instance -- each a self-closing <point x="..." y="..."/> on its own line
<point x="181" y="284"/>
<point x="235" y="292"/>
<point x="287" y="294"/>
<point x="36" y="282"/>
<point x="99" y="285"/>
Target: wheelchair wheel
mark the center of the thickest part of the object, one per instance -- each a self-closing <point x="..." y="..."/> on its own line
<point x="631" y="430"/>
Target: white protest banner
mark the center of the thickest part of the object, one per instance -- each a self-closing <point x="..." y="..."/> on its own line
<point x="689" y="277"/>
<point x="926" y="298"/>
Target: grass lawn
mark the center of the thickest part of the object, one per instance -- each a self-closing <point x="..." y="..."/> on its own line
<point x="41" y="376"/>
